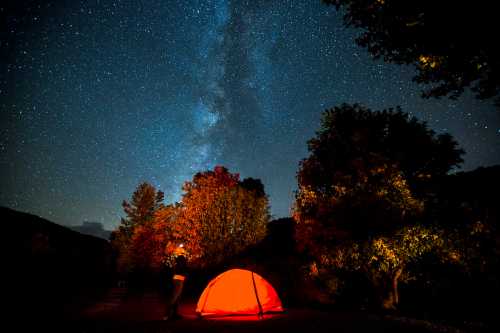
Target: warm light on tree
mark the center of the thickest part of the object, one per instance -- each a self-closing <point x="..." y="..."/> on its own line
<point x="224" y="215"/>
<point x="218" y="217"/>
<point x="129" y="240"/>
<point x="427" y="62"/>
<point x="384" y="260"/>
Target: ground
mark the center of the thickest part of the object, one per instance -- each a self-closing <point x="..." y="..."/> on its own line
<point x="121" y="311"/>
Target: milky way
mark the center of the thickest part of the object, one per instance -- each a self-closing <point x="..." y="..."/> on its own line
<point x="97" y="96"/>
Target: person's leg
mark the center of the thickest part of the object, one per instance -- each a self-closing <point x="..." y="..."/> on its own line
<point x="171" y="304"/>
<point x="177" y="295"/>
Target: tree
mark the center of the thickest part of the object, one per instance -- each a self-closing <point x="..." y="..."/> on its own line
<point x="139" y="215"/>
<point x="386" y="261"/>
<point x="141" y="209"/>
<point x="451" y="43"/>
<point x="362" y="189"/>
<point x="152" y="243"/>
<point x="218" y="216"/>
<point x="353" y="141"/>
<point x="221" y="216"/>
<point x="376" y="200"/>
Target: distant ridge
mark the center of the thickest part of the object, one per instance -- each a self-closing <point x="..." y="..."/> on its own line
<point x="21" y="224"/>
<point x="93" y="229"/>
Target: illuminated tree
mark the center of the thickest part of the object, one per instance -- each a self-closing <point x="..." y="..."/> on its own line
<point x="387" y="261"/>
<point x="175" y="235"/>
<point x="361" y="190"/>
<point x="218" y="217"/>
<point x="384" y="260"/>
<point x="221" y="216"/>
<point x="451" y="43"/>
<point x="139" y="214"/>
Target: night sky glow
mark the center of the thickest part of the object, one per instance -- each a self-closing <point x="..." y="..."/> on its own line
<point x="97" y="96"/>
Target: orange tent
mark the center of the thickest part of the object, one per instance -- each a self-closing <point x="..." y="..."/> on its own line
<point x="238" y="292"/>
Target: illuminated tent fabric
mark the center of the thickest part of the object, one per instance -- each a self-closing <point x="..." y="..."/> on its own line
<point x="238" y="292"/>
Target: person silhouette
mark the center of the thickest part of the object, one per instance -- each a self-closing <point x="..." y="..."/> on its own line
<point x="178" y="279"/>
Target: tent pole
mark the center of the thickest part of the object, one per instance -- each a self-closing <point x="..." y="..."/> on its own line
<point x="261" y="313"/>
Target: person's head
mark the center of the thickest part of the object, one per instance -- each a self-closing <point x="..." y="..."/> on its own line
<point x="180" y="261"/>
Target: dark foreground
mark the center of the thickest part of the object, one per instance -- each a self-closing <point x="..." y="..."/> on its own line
<point x="119" y="311"/>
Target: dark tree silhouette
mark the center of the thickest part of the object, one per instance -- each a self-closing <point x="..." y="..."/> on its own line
<point x="451" y="43"/>
<point x="361" y="189"/>
<point x="353" y="138"/>
<point x="255" y="185"/>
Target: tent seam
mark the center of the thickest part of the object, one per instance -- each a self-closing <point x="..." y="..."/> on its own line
<point x="261" y="312"/>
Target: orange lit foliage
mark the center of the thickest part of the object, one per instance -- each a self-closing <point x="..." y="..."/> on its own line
<point x="238" y="292"/>
<point x="128" y="239"/>
<point x="221" y="216"/>
<point x="218" y="217"/>
<point x="174" y="230"/>
<point x="151" y="242"/>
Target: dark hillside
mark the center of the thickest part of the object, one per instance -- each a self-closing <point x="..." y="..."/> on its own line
<point x="52" y="267"/>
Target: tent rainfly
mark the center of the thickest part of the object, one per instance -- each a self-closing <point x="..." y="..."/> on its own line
<point x="238" y="292"/>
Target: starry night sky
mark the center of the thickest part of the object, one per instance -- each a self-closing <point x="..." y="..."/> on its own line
<point x="97" y="96"/>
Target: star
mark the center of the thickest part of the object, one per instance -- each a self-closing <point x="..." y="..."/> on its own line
<point x="98" y="97"/>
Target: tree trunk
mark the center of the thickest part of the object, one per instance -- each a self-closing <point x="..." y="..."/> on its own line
<point x="389" y="292"/>
<point x="388" y="301"/>
<point x="395" y="282"/>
